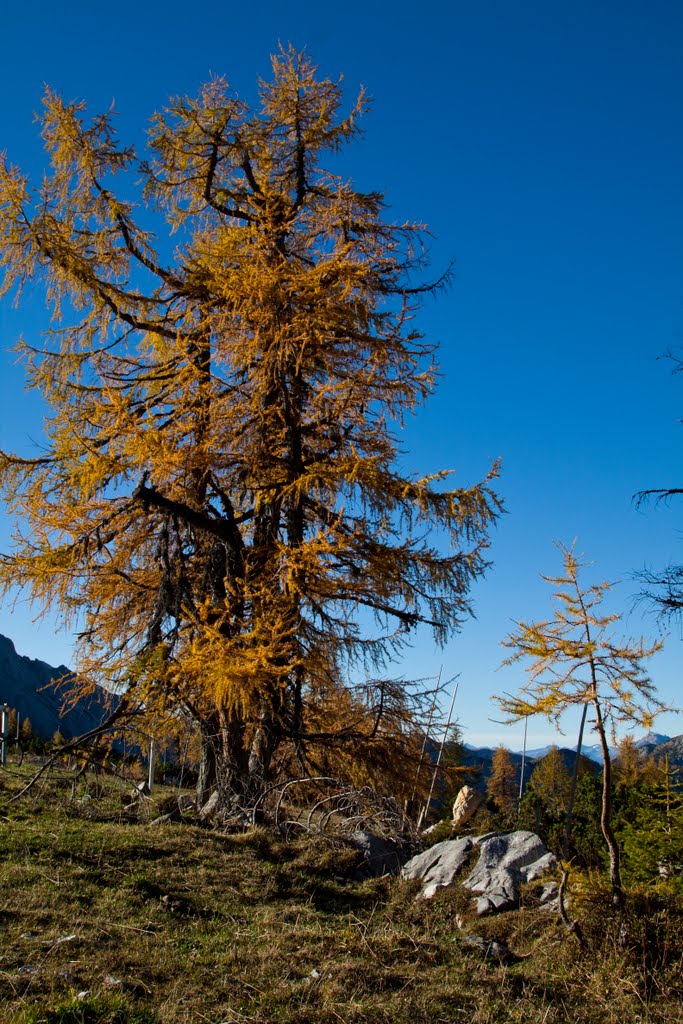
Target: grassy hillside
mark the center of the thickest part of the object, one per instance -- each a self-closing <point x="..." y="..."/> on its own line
<point x="109" y="919"/>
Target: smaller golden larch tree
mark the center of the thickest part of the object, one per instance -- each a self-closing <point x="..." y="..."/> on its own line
<point x="574" y="660"/>
<point x="632" y="764"/>
<point x="550" y="781"/>
<point x="502" y="782"/>
<point x="26" y="731"/>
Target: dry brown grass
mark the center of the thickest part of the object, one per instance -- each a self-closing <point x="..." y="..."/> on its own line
<point x="176" y="924"/>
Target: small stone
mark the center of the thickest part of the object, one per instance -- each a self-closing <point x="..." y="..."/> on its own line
<point x="490" y="949"/>
<point x="173" y="904"/>
<point x="549" y="896"/>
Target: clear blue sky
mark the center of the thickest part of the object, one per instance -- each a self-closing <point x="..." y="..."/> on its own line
<point x="543" y="145"/>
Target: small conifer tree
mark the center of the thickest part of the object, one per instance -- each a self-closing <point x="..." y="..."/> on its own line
<point x="502" y="783"/>
<point x="573" y="660"/>
<point x="653" y="842"/>
<point x="550" y="781"/>
<point x="632" y="764"/>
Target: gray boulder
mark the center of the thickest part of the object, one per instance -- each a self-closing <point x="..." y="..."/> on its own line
<point x="506" y="861"/>
<point x="439" y="866"/>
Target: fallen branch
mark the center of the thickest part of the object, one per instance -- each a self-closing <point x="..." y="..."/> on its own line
<point x="573" y="926"/>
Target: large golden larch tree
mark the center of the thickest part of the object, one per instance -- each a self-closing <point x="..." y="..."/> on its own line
<point x="219" y="506"/>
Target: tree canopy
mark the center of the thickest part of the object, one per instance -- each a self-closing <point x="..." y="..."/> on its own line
<point x="219" y="506"/>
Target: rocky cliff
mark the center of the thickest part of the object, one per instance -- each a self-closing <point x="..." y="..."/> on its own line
<point x="28" y="686"/>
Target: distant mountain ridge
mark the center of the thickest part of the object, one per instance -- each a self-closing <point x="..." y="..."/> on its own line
<point x="593" y="751"/>
<point x="652" y="740"/>
<point x="672" y="748"/>
<point x="27" y="685"/>
<point x="656" y="745"/>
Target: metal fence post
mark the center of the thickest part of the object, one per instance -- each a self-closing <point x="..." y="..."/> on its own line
<point x="150" y="766"/>
<point x="4" y="709"/>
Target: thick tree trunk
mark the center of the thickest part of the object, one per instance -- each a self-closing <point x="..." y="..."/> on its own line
<point x="206" y="779"/>
<point x="237" y="770"/>
<point x="263" y="747"/>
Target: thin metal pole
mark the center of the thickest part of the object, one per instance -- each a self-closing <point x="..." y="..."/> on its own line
<point x="3" y="735"/>
<point x="572" y="791"/>
<point x="150" y="767"/>
<point x="425" y="809"/>
<point x="521" y="777"/>
<point x="426" y="736"/>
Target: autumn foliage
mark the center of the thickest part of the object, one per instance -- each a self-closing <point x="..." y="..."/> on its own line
<point x="219" y="507"/>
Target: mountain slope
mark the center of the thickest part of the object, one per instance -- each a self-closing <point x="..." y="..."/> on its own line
<point x="27" y="685"/>
<point x="671" y="748"/>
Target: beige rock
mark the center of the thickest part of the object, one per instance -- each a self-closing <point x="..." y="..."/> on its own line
<point x="466" y="803"/>
<point x="208" y="811"/>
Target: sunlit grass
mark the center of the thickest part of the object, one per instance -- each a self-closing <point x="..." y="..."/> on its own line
<point x="107" y="921"/>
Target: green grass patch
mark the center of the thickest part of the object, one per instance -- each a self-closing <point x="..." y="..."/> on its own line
<point x="99" y="1010"/>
